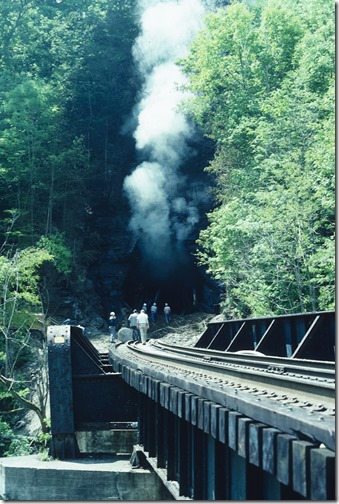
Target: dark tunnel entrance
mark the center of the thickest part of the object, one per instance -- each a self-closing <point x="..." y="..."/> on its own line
<point x="176" y="280"/>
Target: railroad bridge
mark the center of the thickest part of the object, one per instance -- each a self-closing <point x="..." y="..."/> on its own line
<point x="248" y="414"/>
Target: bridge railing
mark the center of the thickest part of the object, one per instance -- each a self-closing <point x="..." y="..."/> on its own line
<point x="303" y="336"/>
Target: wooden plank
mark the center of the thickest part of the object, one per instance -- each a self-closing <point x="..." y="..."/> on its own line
<point x="125" y="371"/>
<point x="199" y="465"/>
<point x="181" y="403"/>
<point x="223" y="426"/>
<point x="200" y="422"/>
<point x="301" y="466"/>
<point x="284" y="458"/>
<point x="152" y="420"/>
<point x="173" y="399"/>
<point x="322" y="474"/>
<point x="149" y="386"/>
<point x="185" y="458"/>
<point x="142" y="384"/>
<point x="194" y="410"/>
<point x="210" y="461"/>
<point x="214" y="420"/>
<point x="243" y="437"/>
<point x="255" y="443"/>
<point x="222" y="471"/>
<point x="164" y="395"/>
<point x="172" y="441"/>
<point x="233" y="417"/>
<point x="238" y="478"/>
<point x="142" y="418"/>
<point x="138" y="376"/>
<point x="133" y="378"/>
<point x="188" y="406"/>
<point x="207" y="416"/>
<point x="156" y="390"/>
<point x="161" y="438"/>
<point x="269" y="449"/>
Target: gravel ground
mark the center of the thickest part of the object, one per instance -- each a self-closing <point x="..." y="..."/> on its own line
<point x="183" y="330"/>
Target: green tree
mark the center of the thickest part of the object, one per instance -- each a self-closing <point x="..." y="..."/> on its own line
<point x="19" y="310"/>
<point x="35" y="158"/>
<point x="258" y="93"/>
<point x="64" y="95"/>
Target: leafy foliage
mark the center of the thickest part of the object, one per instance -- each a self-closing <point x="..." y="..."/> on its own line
<point x="260" y="94"/>
<point x="66" y="82"/>
<point x="62" y="255"/>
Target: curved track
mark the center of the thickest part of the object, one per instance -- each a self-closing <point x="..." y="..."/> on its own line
<point x="308" y="383"/>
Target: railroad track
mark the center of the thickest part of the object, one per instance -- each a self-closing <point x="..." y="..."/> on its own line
<point x="293" y="395"/>
<point x="311" y="382"/>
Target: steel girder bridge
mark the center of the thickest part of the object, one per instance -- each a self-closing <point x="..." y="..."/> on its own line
<point x="248" y="414"/>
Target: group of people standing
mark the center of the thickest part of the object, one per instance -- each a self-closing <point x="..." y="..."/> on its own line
<point x="139" y="322"/>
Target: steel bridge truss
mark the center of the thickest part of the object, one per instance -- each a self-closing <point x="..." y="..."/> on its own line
<point x="302" y="336"/>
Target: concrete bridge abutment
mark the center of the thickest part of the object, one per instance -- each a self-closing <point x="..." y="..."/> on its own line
<point x="95" y="478"/>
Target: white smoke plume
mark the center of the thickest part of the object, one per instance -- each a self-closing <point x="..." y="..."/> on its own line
<point x="159" y="212"/>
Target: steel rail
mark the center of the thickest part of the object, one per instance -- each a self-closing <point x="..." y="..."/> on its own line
<point x="324" y="370"/>
<point x="305" y="383"/>
<point x="293" y="405"/>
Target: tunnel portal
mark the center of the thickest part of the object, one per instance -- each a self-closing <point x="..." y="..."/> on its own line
<point x="175" y="280"/>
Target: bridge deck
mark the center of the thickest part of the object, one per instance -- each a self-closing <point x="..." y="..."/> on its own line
<point x="277" y="432"/>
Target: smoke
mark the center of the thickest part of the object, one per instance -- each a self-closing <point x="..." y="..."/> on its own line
<point x="161" y="128"/>
<point x="161" y="214"/>
<point x="167" y="27"/>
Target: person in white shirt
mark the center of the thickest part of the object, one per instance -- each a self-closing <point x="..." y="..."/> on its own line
<point x="143" y="325"/>
<point x="133" y="324"/>
<point x="167" y="313"/>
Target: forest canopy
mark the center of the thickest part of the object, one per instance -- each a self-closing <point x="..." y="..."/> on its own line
<point x="262" y="81"/>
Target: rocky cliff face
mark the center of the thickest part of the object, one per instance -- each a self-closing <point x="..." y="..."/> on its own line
<point x="125" y="273"/>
